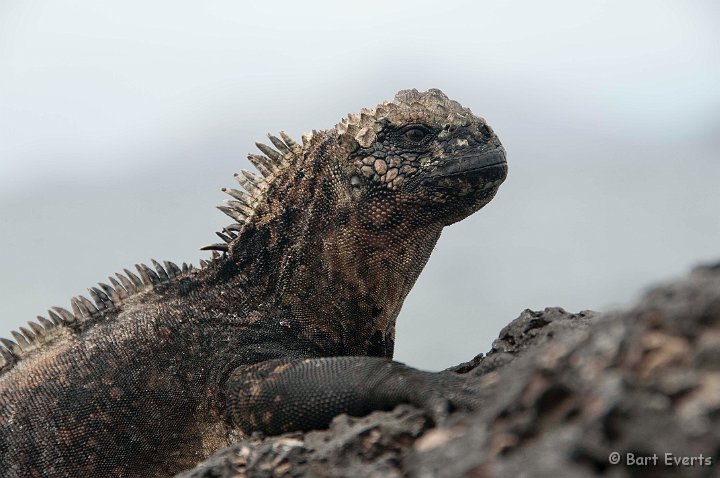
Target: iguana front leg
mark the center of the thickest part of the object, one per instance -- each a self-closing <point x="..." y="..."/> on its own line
<point x="284" y="395"/>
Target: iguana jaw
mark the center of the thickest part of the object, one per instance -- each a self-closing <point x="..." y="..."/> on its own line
<point x="486" y="166"/>
<point x="462" y="184"/>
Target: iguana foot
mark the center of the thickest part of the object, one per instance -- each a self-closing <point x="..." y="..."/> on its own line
<point x="285" y="395"/>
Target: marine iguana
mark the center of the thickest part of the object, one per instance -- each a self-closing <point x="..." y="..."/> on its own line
<point x="291" y="322"/>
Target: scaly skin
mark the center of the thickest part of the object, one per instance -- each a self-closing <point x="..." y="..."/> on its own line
<point x="291" y="325"/>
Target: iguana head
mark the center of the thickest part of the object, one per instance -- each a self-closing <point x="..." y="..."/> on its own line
<point x="421" y="156"/>
<point x="424" y="153"/>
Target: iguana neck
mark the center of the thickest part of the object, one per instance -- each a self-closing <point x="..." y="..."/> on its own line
<point x="363" y="282"/>
<point x="341" y="284"/>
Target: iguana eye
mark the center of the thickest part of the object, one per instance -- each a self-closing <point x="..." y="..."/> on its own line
<point x="355" y="181"/>
<point x="415" y="134"/>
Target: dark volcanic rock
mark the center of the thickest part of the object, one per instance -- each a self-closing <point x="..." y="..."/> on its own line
<point x="560" y="392"/>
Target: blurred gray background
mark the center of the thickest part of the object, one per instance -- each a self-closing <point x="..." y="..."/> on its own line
<point x="120" y="122"/>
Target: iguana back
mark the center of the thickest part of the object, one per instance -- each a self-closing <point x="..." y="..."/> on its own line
<point x="165" y="366"/>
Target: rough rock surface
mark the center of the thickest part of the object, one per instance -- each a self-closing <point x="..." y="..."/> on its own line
<point x="562" y="392"/>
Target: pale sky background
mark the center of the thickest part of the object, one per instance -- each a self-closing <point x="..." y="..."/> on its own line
<point x="121" y="121"/>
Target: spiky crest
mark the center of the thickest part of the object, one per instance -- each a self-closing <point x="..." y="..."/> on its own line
<point x="110" y="298"/>
<point x="85" y="312"/>
<point x="244" y="201"/>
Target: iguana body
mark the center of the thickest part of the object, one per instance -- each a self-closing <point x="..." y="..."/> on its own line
<point x="164" y="368"/>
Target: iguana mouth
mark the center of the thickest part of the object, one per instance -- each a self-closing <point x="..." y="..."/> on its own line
<point x="490" y="165"/>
